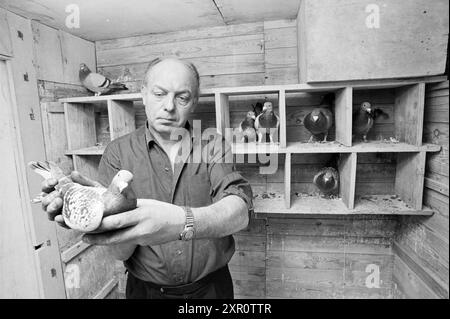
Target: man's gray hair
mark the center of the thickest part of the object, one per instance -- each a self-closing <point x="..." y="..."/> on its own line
<point x="190" y="65"/>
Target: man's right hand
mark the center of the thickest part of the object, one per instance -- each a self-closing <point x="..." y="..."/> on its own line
<point x="52" y="201"/>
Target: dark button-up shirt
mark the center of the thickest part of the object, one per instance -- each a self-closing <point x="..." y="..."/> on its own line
<point x="194" y="183"/>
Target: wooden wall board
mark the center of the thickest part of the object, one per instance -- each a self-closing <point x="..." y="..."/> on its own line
<point x="216" y="65"/>
<point x="29" y="121"/>
<point x="51" y="271"/>
<point x="381" y="50"/>
<point x="223" y="46"/>
<point x="58" y="54"/>
<point x="74" y="51"/>
<point x="95" y="268"/>
<point x="182" y="35"/>
<point x="5" y="41"/>
<point x="409" y="283"/>
<point x="47" y="53"/>
<point x="327" y="258"/>
<point x="16" y="242"/>
<point x="235" y="11"/>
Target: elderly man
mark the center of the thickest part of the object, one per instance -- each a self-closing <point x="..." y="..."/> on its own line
<point x="177" y="242"/>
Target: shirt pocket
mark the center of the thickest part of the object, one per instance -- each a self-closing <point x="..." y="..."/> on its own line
<point x="199" y="190"/>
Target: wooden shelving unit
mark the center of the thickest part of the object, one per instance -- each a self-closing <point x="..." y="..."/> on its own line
<point x="408" y="111"/>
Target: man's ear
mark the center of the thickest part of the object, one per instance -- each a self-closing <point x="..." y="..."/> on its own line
<point x="144" y="94"/>
<point x="194" y="104"/>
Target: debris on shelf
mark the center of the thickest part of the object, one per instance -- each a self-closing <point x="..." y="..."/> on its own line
<point x="267" y="196"/>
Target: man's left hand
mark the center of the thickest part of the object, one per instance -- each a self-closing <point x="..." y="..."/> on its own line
<point x="152" y="223"/>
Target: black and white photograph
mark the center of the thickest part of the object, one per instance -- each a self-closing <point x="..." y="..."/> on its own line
<point x="224" y="154"/>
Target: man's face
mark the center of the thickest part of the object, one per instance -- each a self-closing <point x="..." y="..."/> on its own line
<point x="169" y="97"/>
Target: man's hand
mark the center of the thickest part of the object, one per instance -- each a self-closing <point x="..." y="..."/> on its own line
<point x="52" y="201"/>
<point x="152" y="223"/>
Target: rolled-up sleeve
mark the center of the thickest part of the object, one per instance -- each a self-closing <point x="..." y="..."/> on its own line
<point x="225" y="179"/>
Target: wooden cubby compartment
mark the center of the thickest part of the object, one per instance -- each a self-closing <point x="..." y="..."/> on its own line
<point x="392" y="182"/>
<point x="231" y="107"/>
<point x="91" y="125"/>
<point x="368" y="185"/>
<point x="404" y="107"/>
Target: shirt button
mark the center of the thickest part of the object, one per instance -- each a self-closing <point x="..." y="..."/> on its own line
<point x="162" y="290"/>
<point x="179" y="252"/>
<point x="166" y="169"/>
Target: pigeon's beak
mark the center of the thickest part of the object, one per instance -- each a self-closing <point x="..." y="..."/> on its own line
<point x="369" y="110"/>
<point x="253" y="117"/>
<point x="315" y="118"/>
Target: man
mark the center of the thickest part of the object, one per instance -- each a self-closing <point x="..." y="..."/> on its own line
<point x="177" y="242"/>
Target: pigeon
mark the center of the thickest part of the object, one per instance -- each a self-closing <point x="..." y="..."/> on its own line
<point x="98" y="83"/>
<point x="267" y="122"/>
<point x="84" y="206"/>
<point x="327" y="180"/>
<point x="319" y="121"/>
<point x="247" y="128"/>
<point x="364" y="118"/>
<point x="257" y="108"/>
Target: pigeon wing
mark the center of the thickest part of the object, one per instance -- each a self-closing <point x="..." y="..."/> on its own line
<point x="96" y="82"/>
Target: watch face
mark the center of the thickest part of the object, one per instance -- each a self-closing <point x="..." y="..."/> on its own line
<point x="189" y="234"/>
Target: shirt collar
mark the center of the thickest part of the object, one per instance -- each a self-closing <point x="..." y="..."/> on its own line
<point x="150" y="139"/>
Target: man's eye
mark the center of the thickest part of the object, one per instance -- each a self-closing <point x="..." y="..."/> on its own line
<point x="184" y="98"/>
<point x="159" y="94"/>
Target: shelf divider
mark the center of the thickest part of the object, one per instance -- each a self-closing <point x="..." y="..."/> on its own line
<point x="282" y="110"/>
<point x="287" y="181"/>
<point x="409" y="112"/>
<point x="121" y="118"/>
<point x="343" y="116"/>
<point x="410" y="169"/>
<point x="347" y="177"/>
<point x="222" y="112"/>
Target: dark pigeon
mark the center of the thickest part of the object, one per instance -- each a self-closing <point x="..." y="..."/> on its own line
<point x="247" y="128"/>
<point x="363" y="119"/>
<point x="327" y="180"/>
<point x="257" y="108"/>
<point x="319" y="121"/>
<point x="267" y="122"/>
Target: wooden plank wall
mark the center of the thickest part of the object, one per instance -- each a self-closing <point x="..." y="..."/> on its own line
<point x="57" y="56"/>
<point x="422" y="244"/>
<point x="244" y="54"/>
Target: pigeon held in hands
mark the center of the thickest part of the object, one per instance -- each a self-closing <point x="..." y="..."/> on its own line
<point x="363" y="119"/>
<point x="247" y="128"/>
<point x="267" y="122"/>
<point x="319" y="121"/>
<point x="85" y="206"/>
<point x="98" y="83"/>
<point x="327" y="180"/>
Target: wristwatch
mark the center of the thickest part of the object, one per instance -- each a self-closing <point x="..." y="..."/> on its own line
<point x="188" y="232"/>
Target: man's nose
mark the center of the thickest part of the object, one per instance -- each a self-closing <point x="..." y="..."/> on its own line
<point x="169" y="104"/>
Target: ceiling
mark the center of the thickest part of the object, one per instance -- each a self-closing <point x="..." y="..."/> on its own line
<point x="110" y="19"/>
